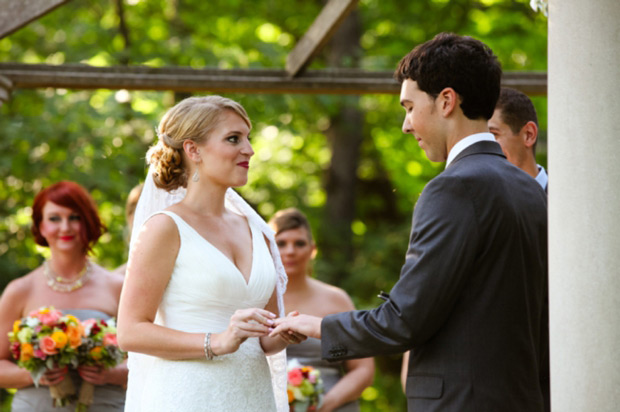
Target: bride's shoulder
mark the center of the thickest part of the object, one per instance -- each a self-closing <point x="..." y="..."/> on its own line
<point x="158" y="231"/>
<point x="160" y="224"/>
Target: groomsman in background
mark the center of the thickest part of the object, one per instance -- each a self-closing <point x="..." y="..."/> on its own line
<point x="515" y="127"/>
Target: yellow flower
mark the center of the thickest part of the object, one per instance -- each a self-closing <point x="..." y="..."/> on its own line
<point x="16" y="326"/>
<point x="60" y="338"/>
<point x="95" y="352"/>
<point x="27" y="352"/>
<point x="72" y="319"/>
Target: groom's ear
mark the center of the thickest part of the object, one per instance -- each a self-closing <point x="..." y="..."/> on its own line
<point x="191" y="150"/>
<point x="447" y="100"/>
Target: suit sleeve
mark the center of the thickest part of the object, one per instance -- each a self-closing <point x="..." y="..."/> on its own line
<point x="441" y="253"/>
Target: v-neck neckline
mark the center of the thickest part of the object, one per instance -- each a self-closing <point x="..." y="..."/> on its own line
<point x="229" y="260"/>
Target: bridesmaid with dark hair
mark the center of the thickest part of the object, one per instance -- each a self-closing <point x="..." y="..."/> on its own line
<point x="65" y="219"/>
<point x="344" y="382"/>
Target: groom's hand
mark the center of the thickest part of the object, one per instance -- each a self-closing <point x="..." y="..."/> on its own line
<point x="290" y="336"/>
<point x="301" y="324"/>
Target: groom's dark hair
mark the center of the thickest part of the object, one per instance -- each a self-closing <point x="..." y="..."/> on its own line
<point x="461" y="62"/>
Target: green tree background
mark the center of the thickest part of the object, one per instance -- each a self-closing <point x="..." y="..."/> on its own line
<point x="99" y="137"/>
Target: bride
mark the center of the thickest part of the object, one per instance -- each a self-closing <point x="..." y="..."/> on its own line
<point x="204" y="280"/>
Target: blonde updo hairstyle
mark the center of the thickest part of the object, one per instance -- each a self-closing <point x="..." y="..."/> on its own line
<point x="193" y="118"/>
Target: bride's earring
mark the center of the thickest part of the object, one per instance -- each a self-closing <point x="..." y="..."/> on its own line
<point x="195" y="177"/>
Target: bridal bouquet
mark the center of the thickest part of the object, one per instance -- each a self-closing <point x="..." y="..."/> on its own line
<point x="47" y="339"/>
<point x="99" y="348"/>
<point x="304" y="388"/>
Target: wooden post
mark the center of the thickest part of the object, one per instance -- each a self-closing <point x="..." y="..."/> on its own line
<point x="318" y="34"/>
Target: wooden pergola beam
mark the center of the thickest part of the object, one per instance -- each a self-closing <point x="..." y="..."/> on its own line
<point x="318" y="34"/>
<point x="327" y="81"/>
<point x="15" y="14"/>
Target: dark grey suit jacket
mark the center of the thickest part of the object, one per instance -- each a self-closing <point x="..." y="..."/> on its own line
<point x="471" y="302"/>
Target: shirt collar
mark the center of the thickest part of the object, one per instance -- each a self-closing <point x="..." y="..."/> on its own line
<point x="542" y="177"/>
<point x="466" y="142"/>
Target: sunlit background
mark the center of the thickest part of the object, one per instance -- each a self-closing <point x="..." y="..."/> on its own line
<point x="99" y="137"/>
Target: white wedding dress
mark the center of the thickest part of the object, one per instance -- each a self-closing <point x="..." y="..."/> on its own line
<point x="205" y="289"/>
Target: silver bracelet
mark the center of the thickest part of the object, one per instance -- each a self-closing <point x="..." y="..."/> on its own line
<point x="207" y="347"/>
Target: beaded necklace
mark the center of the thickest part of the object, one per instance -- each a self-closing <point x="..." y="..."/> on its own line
<point x="59" y="284"/>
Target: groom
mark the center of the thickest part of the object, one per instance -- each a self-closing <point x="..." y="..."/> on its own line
<point x="471" y="300"/>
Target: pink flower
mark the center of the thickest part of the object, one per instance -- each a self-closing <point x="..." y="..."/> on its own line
<point x="109" y="339"/>
<point x="48" y="346"/>
<point x="312" y="378"/>
<point x="50" y="317"/>
<point x="38" y="353"/>
<point x="88" y="323"/>
<point x="295" y="377"/>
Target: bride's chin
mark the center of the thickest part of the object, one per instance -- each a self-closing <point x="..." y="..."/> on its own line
<point x="240" y="183"/>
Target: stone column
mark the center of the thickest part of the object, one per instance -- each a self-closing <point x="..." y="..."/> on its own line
<point x="584" y="204"/>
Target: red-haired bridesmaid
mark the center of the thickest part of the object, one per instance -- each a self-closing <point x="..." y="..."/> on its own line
<point x="65" y="219"/>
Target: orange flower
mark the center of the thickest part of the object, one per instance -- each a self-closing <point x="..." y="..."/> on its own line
<point x="95" y="352"/>
<point x="16" y="326"/>
<point x="291" y="397"/>
<point x="60" y="339"/>
<point x="75" y="336"/>
<point x="27" y="352"/>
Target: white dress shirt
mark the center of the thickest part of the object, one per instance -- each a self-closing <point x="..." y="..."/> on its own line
<point x="542" y="177"/>
<point x="466" y="142"/>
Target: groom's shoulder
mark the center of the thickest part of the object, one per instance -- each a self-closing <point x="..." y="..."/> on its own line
<point x="466" y="177"/>
<point x="478" y="168"/>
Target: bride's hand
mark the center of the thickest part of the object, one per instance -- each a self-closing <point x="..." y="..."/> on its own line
<point x="244" y="323"/>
